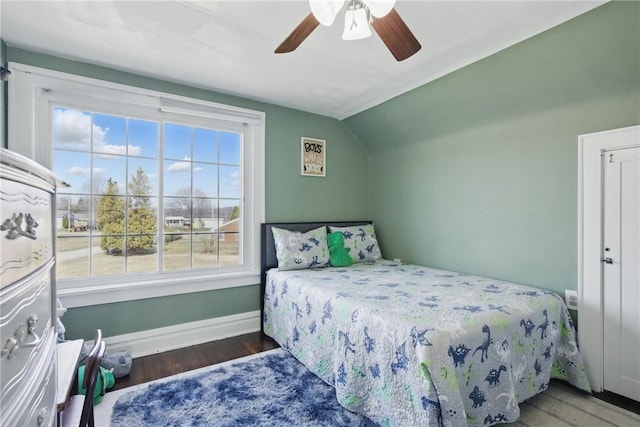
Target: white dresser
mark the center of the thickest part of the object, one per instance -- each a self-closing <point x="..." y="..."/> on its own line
<point x="27" y="293"/>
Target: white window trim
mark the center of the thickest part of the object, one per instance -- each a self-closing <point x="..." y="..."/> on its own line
<point x="28" y="92"/>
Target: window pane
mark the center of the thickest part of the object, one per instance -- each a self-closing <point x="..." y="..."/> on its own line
<point x="177" y="213"/>
<point x="71" y="129"/>
<point x="74" y="169"/>
<point x="229" y="232"/>
<point x="230" y="181"/>
<point x="109" y="168"/>
<point x="205" y="180"/>
<point x="177" y="252"/>
<point x="203" y="211"/>
<point x="205" y="250"/>
<point x="107" y="255"/>
<point x="143" y="177"/>
<point x="205" y="145"/>
<point x="81" y="216"/>
<point x="64" y="212"/>
<point x="143" y="253"/>
<point x="72" y="254"/>
<point x="230" y="148"/>
<point x="230" y="248"/>
<point x="229" y="210"/>
<point x="143" y="138"/>
<point x="177" y="178"/>
<point x="177" y="142"/>
<point x="73" y="225"/>
<point x="110" y="220"/>
<point x="142" y="249"/>
<point x="206" y="212"/>
<point x="142" y="225"/>
<point x="109" y="134"/>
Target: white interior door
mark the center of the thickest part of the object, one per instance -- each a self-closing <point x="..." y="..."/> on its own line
<point x="621" y="271"/>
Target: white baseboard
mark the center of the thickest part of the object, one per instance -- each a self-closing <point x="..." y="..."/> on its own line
<point x="172" y="337"/>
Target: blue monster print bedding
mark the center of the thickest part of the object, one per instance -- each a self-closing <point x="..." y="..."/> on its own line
<point x="407" y="345"/>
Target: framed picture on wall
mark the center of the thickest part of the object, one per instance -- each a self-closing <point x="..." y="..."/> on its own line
<point x="313" y="156"/>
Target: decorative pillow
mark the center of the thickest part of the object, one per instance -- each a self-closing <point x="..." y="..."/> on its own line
<point x="296" y="250"/>
<point x="361" y="239"/>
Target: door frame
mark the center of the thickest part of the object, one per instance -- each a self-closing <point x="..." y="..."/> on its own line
<point x="590" y="216"/>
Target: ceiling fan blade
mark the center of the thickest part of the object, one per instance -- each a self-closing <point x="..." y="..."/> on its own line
<point x="298" y="35"/>
<point x="396" y="35"/>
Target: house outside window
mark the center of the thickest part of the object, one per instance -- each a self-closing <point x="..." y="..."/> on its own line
<point x="165" y="193"/>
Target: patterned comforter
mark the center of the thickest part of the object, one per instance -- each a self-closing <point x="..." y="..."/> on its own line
<point x="407" y="345"/>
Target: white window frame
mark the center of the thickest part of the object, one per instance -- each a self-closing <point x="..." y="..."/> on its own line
<point x="31" y="94"/>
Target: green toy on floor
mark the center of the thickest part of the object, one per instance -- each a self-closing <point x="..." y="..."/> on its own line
<point x="106" y="380"/>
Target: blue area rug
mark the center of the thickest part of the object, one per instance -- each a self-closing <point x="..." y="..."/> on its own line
<point x="273" y="389"/>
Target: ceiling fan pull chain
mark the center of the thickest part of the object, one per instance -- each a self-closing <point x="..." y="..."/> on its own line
<point x="353" y="17"/>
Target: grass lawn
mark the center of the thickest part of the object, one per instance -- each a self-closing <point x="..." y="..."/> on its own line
<point x="175" y="257"/>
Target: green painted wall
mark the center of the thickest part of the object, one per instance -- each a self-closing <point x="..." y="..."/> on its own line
<point x="477" y="171"/>
<point x="289" y="196"/>
<point x="140" y="315"/>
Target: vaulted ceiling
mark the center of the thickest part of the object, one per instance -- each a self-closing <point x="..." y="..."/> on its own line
<point x="228" y="46"/>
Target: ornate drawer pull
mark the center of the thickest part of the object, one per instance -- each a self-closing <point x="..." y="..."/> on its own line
<point x="14" y="343"/>
<point x="31" y="330"/>
<point x="10" y="347"/>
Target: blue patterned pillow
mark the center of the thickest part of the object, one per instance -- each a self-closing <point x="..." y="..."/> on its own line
<point x="296" y="250"/>
<point x="362" y="241"/>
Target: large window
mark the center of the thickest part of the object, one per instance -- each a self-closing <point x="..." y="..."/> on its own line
<point x="165" y="194"/>
<point x="144" y="196"/>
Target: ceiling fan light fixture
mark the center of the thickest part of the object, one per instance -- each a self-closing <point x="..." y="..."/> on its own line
<point x="356" y="22"/>
<point x="379" y="8"/>
<point x="325" y="11"/>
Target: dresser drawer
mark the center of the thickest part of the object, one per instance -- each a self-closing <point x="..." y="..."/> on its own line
<point x="26" y="240"/>
<point x="25" y="320"/>
<point x="34" y="405"/>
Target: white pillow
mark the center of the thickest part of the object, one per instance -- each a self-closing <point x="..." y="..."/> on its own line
<point x="362" y="241"/>
<point x="296" y="250"/>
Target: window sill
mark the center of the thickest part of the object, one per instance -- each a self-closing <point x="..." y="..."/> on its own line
<point x="117" y="292"/>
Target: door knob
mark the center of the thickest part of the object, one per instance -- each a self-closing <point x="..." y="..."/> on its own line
<point x="607" y="261"/>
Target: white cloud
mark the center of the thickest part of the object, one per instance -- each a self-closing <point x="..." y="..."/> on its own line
<point x="78" y="170"/>
<point x="184" y="165"/>
<point x="120" y="150"/>
<point x="180" y="166"/>
<point x="232" y="180"/>
<point x="72" y="129"/>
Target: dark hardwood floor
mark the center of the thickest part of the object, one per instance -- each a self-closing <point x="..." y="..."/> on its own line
<point x="621" y="401"/>
<point x="173" y="362"/>
<point x="155" y="366"/>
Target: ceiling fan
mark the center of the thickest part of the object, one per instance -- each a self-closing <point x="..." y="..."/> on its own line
<point x="380" y="14"/>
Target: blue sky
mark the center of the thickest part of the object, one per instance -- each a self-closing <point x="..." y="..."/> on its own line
<point x="210" y="158"/>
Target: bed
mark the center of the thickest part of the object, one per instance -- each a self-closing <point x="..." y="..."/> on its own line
<point x="407" y="345"/>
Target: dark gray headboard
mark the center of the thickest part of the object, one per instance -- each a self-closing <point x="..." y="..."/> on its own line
<point x="268" y="250"/>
